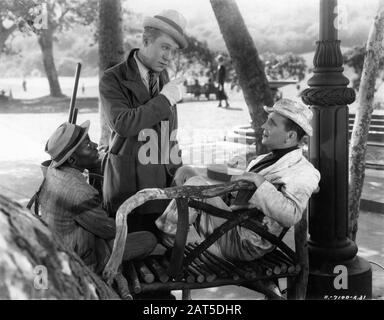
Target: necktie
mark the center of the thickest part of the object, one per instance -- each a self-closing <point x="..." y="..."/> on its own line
<point x="153" y="89"/>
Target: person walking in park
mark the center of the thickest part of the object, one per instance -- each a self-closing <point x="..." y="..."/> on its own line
<point x="24" y="85"/>
<point x="221" y="74"/>
<point x="139" y="102"/>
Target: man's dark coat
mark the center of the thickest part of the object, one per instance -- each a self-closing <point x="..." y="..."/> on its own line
<point x="129" y="109"/>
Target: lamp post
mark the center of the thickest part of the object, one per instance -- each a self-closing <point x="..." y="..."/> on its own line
<point x="335" y="269"/>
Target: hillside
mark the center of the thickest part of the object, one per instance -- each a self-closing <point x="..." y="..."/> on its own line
<point x="279" y="27"/>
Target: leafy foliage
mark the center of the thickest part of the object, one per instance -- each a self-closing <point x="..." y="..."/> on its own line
<point x="197" y="61"/>
<point x="289" y="65"/>
<point x="30" y="15"/>
<point x="197" y="58"/>
<point x="354" y="58"/>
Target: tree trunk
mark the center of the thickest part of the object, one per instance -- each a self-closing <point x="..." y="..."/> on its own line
<point x="111" y="48"/>
<point x="34" y="263"/>
<point x="45" y="39"/>
<point x="358" y="146"/>
<point x="248" y="66"/>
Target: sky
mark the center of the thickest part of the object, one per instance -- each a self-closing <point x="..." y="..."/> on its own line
<point x="277" y="25"/>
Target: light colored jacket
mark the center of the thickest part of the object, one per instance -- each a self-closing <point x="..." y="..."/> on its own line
<point x="284" y="195"/>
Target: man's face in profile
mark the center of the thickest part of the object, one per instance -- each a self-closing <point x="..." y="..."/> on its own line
<point x="274" y="133"/>
<point x="86" y="154"/>
<point x="160" y="52"/>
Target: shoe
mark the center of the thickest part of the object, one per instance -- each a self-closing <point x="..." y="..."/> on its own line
<point x="272" y="287"/>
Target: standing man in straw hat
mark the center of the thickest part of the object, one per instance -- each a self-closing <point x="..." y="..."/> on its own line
<point x="73" y="208"/>
<point x="139" y="102"/>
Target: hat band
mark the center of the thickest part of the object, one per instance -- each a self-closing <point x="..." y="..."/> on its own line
<point x="171" y="23"/>
<point x="76" y="137"/>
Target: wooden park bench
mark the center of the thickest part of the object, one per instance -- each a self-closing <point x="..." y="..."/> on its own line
<point x="187" y="266"/>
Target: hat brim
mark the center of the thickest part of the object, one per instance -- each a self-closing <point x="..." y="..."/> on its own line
<point x="271" y="109"/>
<point x="85" y="125"/>
<point x="221" y="173"/>
<point x="166" y="28"/>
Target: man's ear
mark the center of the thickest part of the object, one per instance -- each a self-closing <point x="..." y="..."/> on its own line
<point x="145" y="41"/>
<point x="292" y="135"/>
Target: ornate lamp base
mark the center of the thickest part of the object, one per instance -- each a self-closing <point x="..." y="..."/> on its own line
<point x="349" y="280"/>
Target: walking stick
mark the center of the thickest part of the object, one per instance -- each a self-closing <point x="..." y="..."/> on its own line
<point x="72" y="110"/>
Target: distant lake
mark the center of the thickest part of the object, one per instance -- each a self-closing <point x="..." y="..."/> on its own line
<point x="37" y="87"/>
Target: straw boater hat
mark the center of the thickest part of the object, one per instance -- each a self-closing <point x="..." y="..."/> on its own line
<point x="170" y="22"/>
<point x="294" y="110"/>
<point x="64" y="141"/>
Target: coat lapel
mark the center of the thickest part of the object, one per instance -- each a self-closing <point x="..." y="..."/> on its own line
<point x="163" y="79"/>
<point x="284" y="162"/>
<point x="133" y="80"/>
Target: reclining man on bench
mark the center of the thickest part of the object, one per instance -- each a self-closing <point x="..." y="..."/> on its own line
<point x="284" y="178"/>
<point x="73" y="208"/>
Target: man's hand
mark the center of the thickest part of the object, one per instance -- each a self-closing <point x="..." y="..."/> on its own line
<point x="238" y="162"/>
<point x="256" y="178"/>
<point x="172" y="90"/>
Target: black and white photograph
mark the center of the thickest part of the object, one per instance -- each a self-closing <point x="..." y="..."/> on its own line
<point x="212" y="151"/>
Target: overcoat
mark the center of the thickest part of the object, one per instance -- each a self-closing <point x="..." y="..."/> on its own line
<point x="132" y="163"/>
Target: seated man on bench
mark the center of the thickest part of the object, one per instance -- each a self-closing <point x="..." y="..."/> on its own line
<point x="284" y="178"/>
<point x="73" y="208"/>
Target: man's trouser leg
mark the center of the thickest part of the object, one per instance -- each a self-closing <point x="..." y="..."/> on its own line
<point x="143" y="222"/>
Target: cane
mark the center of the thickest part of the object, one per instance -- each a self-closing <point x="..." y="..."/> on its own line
<point x="72" y="109"/>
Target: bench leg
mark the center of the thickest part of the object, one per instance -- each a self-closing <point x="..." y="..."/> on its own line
<point x="186" y="294"/>
<point x="297" y="287"/>
<point x="291" y="288"/>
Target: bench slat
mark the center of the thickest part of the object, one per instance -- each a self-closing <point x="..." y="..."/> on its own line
<point x="214" y="268"/>
<point x="157" y="269"/>
<point x="181" y="237"/>
<point x="215" y="260"/>
<point x="133" y="279"/>
<point x="144" y="272"/>
<point x="203" y="268"/>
